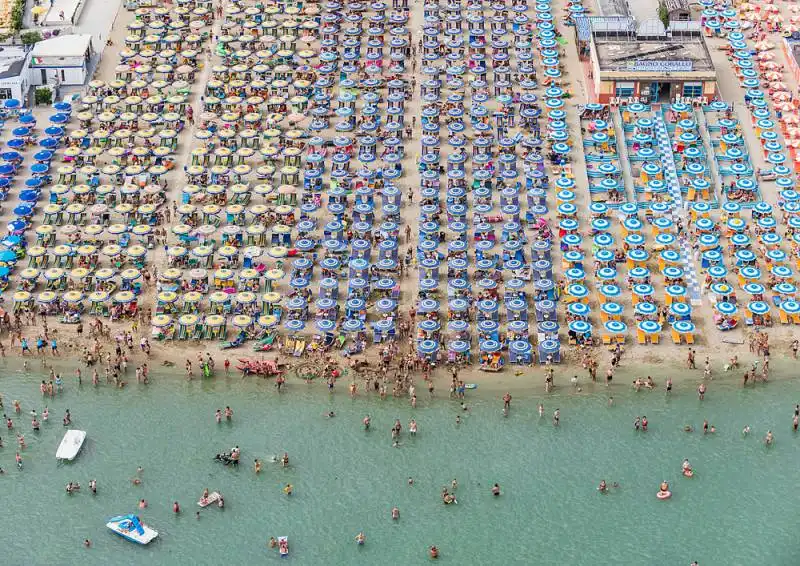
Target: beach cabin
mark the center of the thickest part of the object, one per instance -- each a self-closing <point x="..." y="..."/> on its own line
<point x="675" y="10"/>
<point x="14" y="74"/>
<point x="61" y="60"/>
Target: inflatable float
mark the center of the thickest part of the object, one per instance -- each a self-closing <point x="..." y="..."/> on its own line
<point x="213" y="497"/>
<point x="283" y="546"/>
<point x="471" y="386"/>
<point x="688" y="473"/>
<point x="664" y="494"/>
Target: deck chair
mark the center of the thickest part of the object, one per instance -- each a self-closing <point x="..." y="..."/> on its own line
<point x="299" y="348"/>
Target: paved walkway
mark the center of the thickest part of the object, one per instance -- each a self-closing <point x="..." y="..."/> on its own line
<point x="68" y="7"/>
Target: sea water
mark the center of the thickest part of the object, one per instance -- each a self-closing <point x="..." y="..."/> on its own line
<point x="740" y="508"/>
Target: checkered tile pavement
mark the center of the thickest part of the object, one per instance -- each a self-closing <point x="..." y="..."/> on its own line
<point x="674" y="188"/>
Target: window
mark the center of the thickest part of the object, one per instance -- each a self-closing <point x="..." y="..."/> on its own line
<point x="624" y="90"/>
<point x="5" y="93"/>
<point x="692" y="90"/>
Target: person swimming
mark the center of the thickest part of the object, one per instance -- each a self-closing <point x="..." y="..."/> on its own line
<point x="366" y="422"/>
<point x="361" y="538"/>
<point x="495" y="490"/>
<point x="288" y="489"/>
<point x="395" y="513"/>
<point x="746" y="430"/>
<point x="602" y="488"/>
<point x="273" y="542"/>
<point x="769" y="439"/>
<point x="664" y="487"/>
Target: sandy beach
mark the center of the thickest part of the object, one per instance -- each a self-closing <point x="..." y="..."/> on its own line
<point x="664" y="358"/>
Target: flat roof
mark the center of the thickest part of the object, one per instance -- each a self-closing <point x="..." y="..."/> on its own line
<point x="11" y="69"/>
<point x="63" y="46"/>
<point x="684" y="55"/>
<point x="613" y="7"/>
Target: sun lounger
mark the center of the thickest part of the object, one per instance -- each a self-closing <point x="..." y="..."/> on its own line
<point x="299" y="348"/>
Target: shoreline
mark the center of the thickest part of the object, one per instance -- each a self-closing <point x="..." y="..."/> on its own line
<point x="524" y="382"/>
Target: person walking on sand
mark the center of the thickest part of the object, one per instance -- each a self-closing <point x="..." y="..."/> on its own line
<point x="690" y="363"/>
<point x="707" y="369"/>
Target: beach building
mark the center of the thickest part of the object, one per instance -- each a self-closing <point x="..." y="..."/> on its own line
<point x="677" y="10"/>
<point x="626" y="60"/>
<point x="15" y="79"/>
<point x="62" y="60"/>
<point x="791" y="51"/>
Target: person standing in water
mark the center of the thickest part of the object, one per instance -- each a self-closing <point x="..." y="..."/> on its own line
<point x="769" y="439"/>
<point x="701" y="391"/>
<point x="556" y="417"/>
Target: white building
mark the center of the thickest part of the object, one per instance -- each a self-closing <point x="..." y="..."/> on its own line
<point x="62" y="60"/>
<point x="14" y="74"/>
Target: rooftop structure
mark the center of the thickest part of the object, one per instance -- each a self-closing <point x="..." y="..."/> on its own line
<point x="687" y="55"/>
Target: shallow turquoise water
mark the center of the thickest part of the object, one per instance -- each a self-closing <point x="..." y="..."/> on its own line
<point x="347" y="479"/>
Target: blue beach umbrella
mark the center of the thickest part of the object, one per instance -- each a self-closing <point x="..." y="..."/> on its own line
<point x="428" y="347"/>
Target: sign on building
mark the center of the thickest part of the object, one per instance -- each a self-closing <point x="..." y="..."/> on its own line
<point x="660" y="66"/>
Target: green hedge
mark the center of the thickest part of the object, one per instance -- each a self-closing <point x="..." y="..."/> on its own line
<point x="43" y="95"/>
